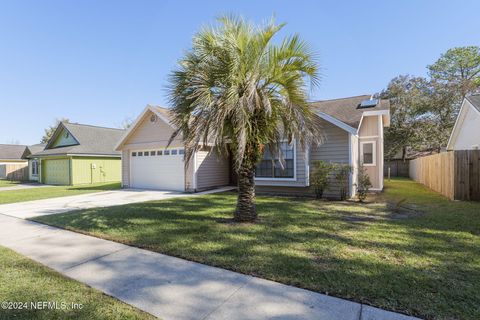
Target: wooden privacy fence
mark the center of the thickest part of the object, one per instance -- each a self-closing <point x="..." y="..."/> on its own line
<point x="398" y="168"/>
<point x="15" y="172"/>
<point x="455" y="174"/>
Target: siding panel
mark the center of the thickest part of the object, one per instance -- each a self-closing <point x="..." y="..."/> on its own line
<point x="125" y="168"/>
<point x="212" y="170"/>
<point x="104" y="170"/>
<point x="335" y="149"/>
<point x="151" y="134"/>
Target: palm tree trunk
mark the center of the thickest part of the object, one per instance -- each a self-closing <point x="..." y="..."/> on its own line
<point x="246" y="211"/>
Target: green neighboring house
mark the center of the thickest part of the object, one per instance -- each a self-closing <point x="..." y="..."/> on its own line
<point x="79" y="154"/>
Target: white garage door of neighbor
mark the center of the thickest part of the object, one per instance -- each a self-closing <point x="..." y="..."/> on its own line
<point x="157" y="170"/>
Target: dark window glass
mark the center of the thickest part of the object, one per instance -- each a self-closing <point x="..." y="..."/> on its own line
<point x="166" y="152"/>
<point x="134" y="154"/>
<point x="368" y="153"/>
<point x="35" y="167"/>
<point x="279" y="166"/>
<point x="140" y="153"/>
<point x="174" y="152"/>
<point x="181" y="151"/>
<point x="159" y="152"/>
<point x="152" y="153"/>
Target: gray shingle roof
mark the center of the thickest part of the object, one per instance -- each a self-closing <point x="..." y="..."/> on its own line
<point x="475" y="100"/>
<point x="347" y="109"/>
<point x="92" y="140"/>
<point x="344" y="109"/>
<point x="11" y="151"/>
<point x="34" y="148"/>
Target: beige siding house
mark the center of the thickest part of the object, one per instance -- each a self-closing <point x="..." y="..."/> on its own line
<point x="149" y="164"/>
<point x="12" y="160"/>
<point x="353" y="131"/>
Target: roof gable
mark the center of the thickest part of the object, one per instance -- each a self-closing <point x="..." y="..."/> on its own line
<point x="62" y="138"/>
<point x="465" y="111"/>
<point x="34" y="148"/>
<point x="162" y="115"/>
<point x="474" y="100"/>
<point x="82" y="139"/>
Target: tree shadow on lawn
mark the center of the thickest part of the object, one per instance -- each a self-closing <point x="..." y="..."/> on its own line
<point x="28" y="282"/>
<point x="400" y="265"/>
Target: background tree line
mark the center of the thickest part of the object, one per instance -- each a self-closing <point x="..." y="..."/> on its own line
<point x="424" y="109"/>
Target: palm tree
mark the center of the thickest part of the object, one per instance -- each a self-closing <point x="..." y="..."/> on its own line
<point x="237" y="90"/>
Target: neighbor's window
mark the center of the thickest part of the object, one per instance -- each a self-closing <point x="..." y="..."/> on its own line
<point x="181" y="151"/>
<point x="140" y="153"/>
<point x="174" y="152"/>
<point x="34" y="168"/>
<point x="166" y="152"/>
<point x="146" y="153"/>
<point x="271" y="166"/>
<point x="134" y="154"/>
<point x="152" y="153"/>
<point x="159" y="152"/>
<point x="368" y="153"/>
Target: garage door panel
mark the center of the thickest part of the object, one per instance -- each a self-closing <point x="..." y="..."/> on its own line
<point x="158" y="172"/>
<point x="56" y="171"/>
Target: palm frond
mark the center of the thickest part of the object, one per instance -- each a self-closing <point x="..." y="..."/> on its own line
<point x="238" y="91"/>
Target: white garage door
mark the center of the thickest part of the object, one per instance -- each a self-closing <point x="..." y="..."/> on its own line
<point x="158" y="169"/>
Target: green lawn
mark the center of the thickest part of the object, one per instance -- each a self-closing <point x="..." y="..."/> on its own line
<point x="23" y="280"/>
<point x="411" y="250"/>
<point x="7" y="183"/>
<point x="11" y="196"/>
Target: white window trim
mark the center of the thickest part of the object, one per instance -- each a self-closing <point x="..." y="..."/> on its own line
<point x="374" y="153"/>
<point x="294" y="166"/>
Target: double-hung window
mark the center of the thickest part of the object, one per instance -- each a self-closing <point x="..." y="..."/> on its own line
<point x="368" y="153"/>
<point x="280" y="165"/>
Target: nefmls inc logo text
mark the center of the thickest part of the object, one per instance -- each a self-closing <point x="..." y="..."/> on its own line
<point x="54" y="305"/>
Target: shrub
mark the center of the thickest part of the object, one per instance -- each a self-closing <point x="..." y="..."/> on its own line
<point x="363" y="184"/>
<point x="319" y="176"/>
<point x="342" y="174"/>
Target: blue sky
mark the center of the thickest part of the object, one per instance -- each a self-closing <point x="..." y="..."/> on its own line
<point x="99" y="62"/>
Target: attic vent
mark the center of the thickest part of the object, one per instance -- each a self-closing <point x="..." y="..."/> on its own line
<point x="153" y="118"/>
<point x="369" y="103"/>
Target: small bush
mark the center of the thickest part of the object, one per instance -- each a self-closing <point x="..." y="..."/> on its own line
<point x="342" y="174"/>
<point x="363" y="184"/>
<point x="319" y="176"/>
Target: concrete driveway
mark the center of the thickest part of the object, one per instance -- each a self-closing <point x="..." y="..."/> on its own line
<point x="29" y="209"/>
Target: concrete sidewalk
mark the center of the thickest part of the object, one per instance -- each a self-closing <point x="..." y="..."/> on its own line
<point x="29" y="209"/>
<point x="173" y="288"/>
